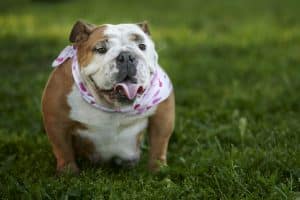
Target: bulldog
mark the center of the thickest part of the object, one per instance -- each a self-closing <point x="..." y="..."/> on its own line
<point x="105" y="90"/>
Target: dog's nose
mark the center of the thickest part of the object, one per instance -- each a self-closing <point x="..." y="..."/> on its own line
<point x="126" y="57"/>
<point x="126" y="63"/>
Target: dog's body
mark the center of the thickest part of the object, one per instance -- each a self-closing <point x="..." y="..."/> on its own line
<point x="117" y="133"/>
<point x="116" y="76"/>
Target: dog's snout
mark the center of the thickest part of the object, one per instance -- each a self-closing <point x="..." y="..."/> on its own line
<point x="126" y="57"/>
<point x="126" y="63"/>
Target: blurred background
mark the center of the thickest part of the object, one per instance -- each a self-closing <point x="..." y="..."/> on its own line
<point x="199" y="43"/>
<point x="235" y="69"/>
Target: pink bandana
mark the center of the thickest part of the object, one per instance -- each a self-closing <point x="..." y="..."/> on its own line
<point x="159" y="89"/>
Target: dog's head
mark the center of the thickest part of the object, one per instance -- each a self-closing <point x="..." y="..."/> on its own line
<point x="116" y="61"/>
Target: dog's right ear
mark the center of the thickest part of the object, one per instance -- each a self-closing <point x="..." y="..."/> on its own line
<point x="81" y="31"/>
<point x="144" y="26"/>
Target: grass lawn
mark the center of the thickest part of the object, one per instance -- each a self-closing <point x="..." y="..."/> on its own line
<point x="235" y="66"/>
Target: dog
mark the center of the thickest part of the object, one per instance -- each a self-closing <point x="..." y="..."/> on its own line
<point x="105" y="90"/>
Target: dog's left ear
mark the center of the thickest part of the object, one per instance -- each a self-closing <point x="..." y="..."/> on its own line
<point x="81" y="31"/>
<point x="144" y="26"/>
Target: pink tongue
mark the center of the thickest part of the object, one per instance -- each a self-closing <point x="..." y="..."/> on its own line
<point x="130" y="89"/>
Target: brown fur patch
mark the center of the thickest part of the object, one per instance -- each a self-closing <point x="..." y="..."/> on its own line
<point x="81" y="31"/>
<point x="85" y="147"/>
<point x="85" y="48"/>
<point x="144" y="26"/>
<point x="161" y="126"/>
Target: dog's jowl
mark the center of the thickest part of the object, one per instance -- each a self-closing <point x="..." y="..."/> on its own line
<point x="105" y="90"/>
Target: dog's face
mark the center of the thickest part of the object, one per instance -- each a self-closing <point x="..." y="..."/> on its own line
<point x="116" y="61"/>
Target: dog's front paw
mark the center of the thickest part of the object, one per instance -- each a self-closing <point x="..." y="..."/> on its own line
<point x="68" y="168"/>
<point x="157" y="165"/>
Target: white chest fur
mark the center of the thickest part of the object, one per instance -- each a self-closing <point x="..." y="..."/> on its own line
<point x="113" y="134"/>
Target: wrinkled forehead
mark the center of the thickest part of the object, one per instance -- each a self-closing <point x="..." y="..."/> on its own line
<point x="121" y="32"/>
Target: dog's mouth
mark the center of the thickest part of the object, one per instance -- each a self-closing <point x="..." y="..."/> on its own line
<point x="128" y="89"/>
<point x="125" y="91"/>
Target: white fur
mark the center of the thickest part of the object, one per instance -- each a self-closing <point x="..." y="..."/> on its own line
<point x="113" y="134"/>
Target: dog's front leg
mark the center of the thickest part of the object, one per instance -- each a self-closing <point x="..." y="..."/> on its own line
<point x="61" y="141"/>
<point x="161" y="126"/>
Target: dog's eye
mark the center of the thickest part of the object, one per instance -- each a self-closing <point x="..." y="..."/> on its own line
<point x="101" y="50"/>
<point x="142" y="47"/>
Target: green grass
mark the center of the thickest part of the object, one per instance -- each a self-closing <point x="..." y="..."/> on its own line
<point x="235" y="68"/>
